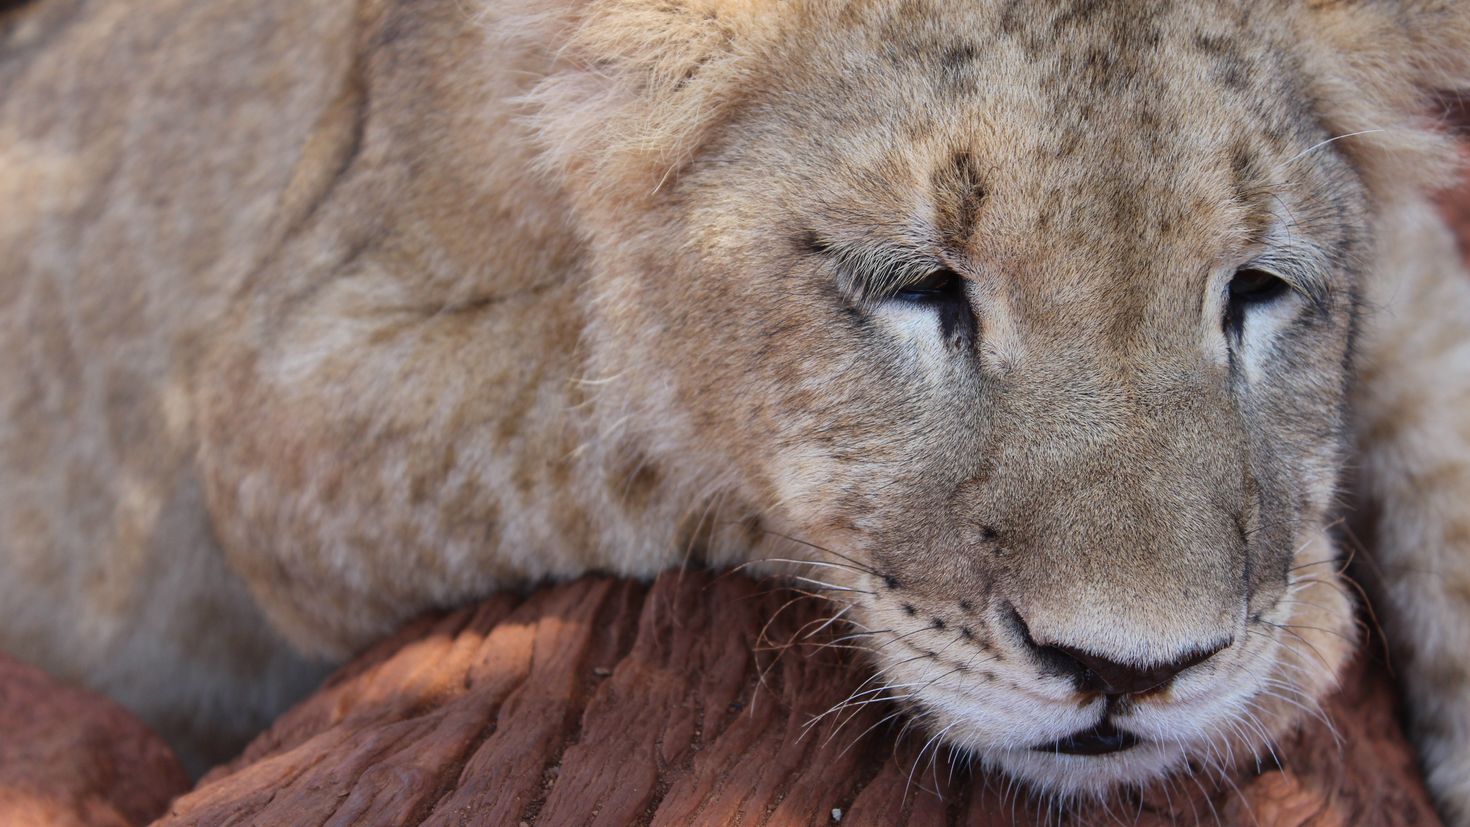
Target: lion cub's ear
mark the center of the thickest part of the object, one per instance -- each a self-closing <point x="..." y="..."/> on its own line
<point x="1389" y="68"/>
<point x="637" y="84"/>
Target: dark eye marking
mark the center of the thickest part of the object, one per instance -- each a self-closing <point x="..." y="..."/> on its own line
<point x="944" y="291"/>
<point x="1250" y="287"/>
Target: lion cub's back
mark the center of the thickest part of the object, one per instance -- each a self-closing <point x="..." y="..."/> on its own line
<point x="145" y="150"/>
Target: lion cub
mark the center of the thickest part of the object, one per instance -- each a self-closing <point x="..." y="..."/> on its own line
<point x="1050" y="326"/>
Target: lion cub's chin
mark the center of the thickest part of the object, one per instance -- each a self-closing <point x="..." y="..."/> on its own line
<point x="1151" y="753"/>
<point x="1091" y="756"/>
<point x="1093" y="761"/>
<point x="1090" y="776"/>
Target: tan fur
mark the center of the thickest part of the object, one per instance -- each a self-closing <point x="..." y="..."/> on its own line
<point x="317" y="316"/>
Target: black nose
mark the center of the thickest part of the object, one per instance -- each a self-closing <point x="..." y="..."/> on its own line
<point x="1098" y="674"/>
<point x="1095" y="673"/>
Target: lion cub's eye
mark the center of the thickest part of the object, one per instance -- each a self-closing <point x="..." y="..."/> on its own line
<point x="944" y="291"/>
<point x="1250" y="287"/>
<point x="938" y="286"/>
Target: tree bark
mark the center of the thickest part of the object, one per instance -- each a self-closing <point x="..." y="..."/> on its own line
<point x="609" y="702"/>
<point x="69" y="758"/>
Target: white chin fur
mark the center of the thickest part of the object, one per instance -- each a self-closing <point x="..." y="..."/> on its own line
<point x="1087" y="776"/>
<point x="1208" y="730"/>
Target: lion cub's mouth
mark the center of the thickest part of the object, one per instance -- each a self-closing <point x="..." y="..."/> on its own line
<point x="1103" y="739"/>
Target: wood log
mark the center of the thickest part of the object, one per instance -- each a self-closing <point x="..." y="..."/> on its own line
<point x="70" y="758"/>
<point x="699" y="700"/>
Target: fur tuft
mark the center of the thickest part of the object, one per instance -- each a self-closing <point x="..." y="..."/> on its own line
<point x="637" y="86"/>
<point x="1384" y="73"/>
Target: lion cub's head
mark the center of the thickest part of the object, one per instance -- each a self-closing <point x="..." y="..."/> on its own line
<point x="1037" y="317"/>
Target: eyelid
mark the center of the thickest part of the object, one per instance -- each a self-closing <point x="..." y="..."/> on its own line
<point x="868" y="276"/>
<point x="938" y="280"/>
<point x="1301" y="270"/>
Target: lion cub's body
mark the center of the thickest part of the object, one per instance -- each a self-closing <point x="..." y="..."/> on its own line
<point x="312" y="318"/>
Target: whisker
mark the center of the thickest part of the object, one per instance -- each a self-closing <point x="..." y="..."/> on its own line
<point x="1260" y="726"/>
<point x="936" y="736"/>
<point x="825" y="586"/>
<point x="861" y="735"/>
<point x="820" y="622"/>
<point x="794" y="561"/>
<point x="855" y="705"/>
<point x="811" y="545"/>
<point x="1297" y="635"/>
<point x="841" y="642"/>
<point x="1320" y="144"/>
<point x="1324" y="631"/>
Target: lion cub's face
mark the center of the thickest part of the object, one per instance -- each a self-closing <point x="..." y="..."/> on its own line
<point x="1040" y="322"/>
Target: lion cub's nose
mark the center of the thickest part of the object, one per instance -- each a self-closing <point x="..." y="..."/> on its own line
<point x="1095" y="673"/>
<point x="1098" y="674"/>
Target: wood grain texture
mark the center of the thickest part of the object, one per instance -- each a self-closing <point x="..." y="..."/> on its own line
<point x="69" y="758"/>
<point x="608" y="702"/>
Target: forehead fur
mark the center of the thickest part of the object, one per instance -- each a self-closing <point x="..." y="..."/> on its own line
<point x="642" y="84"/>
